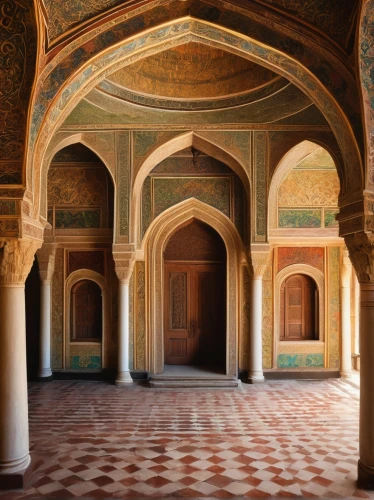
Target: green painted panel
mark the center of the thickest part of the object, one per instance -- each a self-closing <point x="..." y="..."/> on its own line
<point x="330" y="218"/>
<point x="213" y="191"/>
<point x="300" y="361"/>
<point x="299" y="218"/>
<point x="85" y="362"/>
<point x="77" y="219"/>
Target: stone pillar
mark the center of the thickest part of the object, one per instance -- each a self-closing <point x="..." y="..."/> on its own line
<point x="123" y="258"/>
<point x="16" y="258"/>
<point x="361" y="252"/>
<point x="46" y="261"/>
<point x="123" y="375"/>
<point x="260" y="255"/>
<point x="346" y="273"/>
<point x="355" y="314"/>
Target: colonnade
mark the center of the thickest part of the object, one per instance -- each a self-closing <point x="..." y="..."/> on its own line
<point x="16" y="260"/>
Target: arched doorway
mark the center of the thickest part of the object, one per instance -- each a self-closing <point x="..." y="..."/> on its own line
<point x="195" y="297"/>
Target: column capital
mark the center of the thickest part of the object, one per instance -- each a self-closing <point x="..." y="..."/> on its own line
<point x="124" y="260"/>
<point x="361" y="253"/>
<point x="259" y="258"/>
<point x="46" y="260"/>
<point x="16" y="259"/>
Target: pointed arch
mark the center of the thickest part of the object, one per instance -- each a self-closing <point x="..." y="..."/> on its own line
<point x="294" y="156"/>
<point x="62" y="141"/>
<point x="175" y="33"/>
<point x="164" y="151"/>
<point x="154" y="244"/>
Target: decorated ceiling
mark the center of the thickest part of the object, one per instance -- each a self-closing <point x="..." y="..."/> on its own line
<point x="333" y="18"/>
<point x="193" y="70"/>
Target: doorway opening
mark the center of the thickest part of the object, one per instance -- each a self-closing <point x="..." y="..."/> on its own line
<point x="195" y="298"/>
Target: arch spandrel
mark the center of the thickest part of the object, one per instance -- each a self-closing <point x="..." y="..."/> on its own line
<point x="181" y="31"/>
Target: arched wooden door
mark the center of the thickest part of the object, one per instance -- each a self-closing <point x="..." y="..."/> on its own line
<point x="86" y="312"/>
<point x="299" y="308"/>
<point x="195" y="297"/>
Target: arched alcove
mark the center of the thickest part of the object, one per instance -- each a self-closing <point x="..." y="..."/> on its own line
<point x="298" y="309"/>
<point x="79" y="348"/>
<point x="80" y="192"/>
<point x="155" y="242"/>
<point x="304" y="191"/>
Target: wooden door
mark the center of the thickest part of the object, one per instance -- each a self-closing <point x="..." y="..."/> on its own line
<point x="299" y="308"/>
<point x="86" y="311"/>
<point x="195" y="314"/>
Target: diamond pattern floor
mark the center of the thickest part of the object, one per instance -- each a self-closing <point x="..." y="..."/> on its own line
<point x="278" y="439"/>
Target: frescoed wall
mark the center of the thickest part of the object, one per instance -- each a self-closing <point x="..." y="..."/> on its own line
<point x="80" y="211"/>
<point x="192" y="174"/>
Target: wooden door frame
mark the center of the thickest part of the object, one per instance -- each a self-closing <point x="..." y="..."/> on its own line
<point x="155" y="242"/>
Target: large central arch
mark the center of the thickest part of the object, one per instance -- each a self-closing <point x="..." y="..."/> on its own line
<point x="177" y="33"/>
<point x="154" y="244"/>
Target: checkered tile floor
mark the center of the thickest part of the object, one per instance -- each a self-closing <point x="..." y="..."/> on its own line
<point x="279" y="439"/>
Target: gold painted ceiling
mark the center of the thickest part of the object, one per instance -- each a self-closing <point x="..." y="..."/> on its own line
<point x="192" y="71"/>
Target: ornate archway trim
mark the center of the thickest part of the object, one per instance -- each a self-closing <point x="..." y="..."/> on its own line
<point x="164" y="151"/>
<point x="294" y="156"/>
<point x="155" y="242"/>
<point x="73" y="278"/>
<point x="319" y="278"/>
<point x="176" y="33"/>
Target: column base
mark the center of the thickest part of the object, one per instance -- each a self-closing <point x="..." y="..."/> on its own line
<point x="45" y="374"/>
<point x="256" y="378"/>
<point x="15" y="480"/>
<point x="365" y="478"/>
<point x="123" y="378"/>
<point x="345" y="374"/>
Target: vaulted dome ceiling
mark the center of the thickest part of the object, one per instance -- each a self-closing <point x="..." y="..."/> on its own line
<point x="192" y="71"/>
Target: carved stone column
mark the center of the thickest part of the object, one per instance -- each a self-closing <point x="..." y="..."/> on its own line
<point x="260" y="255"/>
<point x="346" y="273"/>
<point x="361" y="252"/>
<point x="16" y="258"/>
<point x="124" y="262"/>
<point x="46" y="261"/>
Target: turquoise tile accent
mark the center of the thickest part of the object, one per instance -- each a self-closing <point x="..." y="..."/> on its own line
<point x="300" y="361"/>
<point x="299" y="218"/>
<point x="85" y="362"/>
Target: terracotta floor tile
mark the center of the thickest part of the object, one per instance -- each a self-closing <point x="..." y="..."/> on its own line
<point x="139" y="443"/>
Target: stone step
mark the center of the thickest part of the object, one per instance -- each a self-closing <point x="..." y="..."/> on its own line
<point x="175" y="382"/>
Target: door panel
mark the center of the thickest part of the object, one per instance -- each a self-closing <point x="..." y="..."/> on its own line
<point x="195" y="314"/>
<point x="299" y="308"/>
<point x="178" y="345"/>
